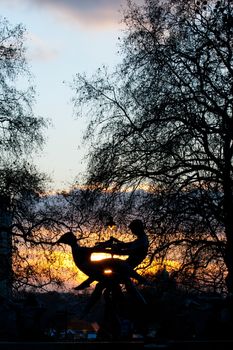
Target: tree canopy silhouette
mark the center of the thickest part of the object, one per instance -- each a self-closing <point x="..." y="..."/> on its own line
<point x="21" y="136"/>
<point x="164" y="119"/>
<point x="21" y="133"/>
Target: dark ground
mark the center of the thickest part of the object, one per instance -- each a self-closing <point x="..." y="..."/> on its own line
<point x="172" y="319"/>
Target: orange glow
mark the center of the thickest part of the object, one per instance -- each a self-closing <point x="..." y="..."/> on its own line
<point x="151" y="269"/>
<point x="57" y="265"/>
<point x="112" y="227"/>
<point x="100" y="256"/>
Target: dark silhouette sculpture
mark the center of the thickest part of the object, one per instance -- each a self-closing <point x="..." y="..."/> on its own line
<point x="136" y="249"/>
<point x="110" y="273"/>
<point x="107" y="270"/>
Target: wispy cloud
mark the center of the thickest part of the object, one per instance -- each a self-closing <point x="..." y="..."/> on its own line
<point x="40" y="49"/>
<point x="88" y="13"/>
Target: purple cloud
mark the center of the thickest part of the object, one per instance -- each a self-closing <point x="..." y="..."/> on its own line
<point x="89" y="13"/>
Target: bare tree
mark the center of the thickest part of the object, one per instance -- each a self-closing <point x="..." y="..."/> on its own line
<point x="21" y="135"/>
<point x="164" y="120"/>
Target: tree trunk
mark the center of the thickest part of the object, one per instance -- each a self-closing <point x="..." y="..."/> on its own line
<point x="229" y="259"/>
<point x="5" y="249"/>
<point x="228" y="221"/>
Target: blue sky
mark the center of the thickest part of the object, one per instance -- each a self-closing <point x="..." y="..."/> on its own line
<point x="64" y="38"/>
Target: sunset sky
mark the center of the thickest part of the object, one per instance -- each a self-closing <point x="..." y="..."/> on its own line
<point x="64" y="38"/>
